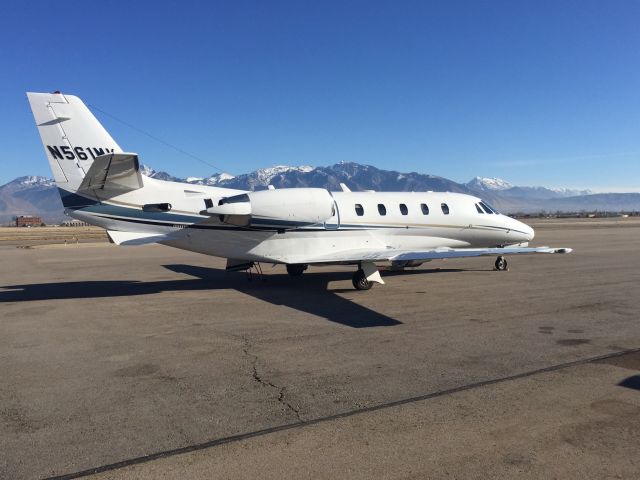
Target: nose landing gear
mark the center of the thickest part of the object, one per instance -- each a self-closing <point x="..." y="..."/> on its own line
<point x="501" y="263"/>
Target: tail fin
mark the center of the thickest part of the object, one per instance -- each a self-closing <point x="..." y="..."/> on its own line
<point x="71" y="135"/>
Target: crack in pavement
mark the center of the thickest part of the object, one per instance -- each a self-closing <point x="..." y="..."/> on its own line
<point x="266" y="383"/>
<point x="315" y="421"/>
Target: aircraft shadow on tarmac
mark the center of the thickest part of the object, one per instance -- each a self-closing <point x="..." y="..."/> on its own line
<point x="632" y="382"/>
<point x="277" y="289"/>
<point x="309" y="293"/>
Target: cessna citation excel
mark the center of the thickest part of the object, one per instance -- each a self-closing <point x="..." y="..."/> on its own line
<point x="102" y="185"/>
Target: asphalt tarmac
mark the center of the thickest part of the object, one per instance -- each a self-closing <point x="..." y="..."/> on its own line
<point x="149" y="362"/>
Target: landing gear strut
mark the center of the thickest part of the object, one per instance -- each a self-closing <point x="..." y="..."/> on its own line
<point x="501" y="263"/>
<point x="360" y="280"/>
<point x="296" y="269"/>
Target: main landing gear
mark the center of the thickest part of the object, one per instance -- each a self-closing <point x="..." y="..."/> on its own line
<point x="296" y="269"/>
<point x="501" y="263"/>
<point x="360" y="281"/>
<point x="366" y="275"/>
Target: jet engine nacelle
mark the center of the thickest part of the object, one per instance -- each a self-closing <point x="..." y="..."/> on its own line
<point x="285" y="208"/>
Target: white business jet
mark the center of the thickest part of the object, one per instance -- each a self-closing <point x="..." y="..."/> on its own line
<point x="101" y="184"/>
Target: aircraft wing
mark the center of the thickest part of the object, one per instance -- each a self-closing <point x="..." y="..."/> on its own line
<point x="390" y="254"/>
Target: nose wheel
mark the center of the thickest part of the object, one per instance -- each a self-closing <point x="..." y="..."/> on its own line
<point x="501" y="263"/>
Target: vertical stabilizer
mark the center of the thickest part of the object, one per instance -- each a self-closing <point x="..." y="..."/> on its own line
<point x="71" y="135"/>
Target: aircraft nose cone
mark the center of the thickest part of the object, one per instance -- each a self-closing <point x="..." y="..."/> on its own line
<point x="528" y="231"/>
<point x="521" y="231"/>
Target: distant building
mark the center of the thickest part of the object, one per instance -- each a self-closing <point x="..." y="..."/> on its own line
<point x="28" y="221"/>
<point x="75" y="223"/>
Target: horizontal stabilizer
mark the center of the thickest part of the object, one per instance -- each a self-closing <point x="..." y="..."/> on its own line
<point x="136" y="238"/>
<point x="112" y="174"/>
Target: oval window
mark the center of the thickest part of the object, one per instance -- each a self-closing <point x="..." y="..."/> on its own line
<point x="445" y="208"/>
<point x="403" y="209"/>
<point x="359" y="210"/>
<point x="382" y="210"/>
<point x="424" y="208"/>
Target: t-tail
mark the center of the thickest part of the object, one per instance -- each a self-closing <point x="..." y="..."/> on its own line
<point x="81" y="153"/>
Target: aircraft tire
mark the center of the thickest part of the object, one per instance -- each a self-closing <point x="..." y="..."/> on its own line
<point x="296" y="269"/>
<point x="501" y="263"/>
<point x="360" y="281"/>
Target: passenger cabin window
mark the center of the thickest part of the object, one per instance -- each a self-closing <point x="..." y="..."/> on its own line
<point x="359" y="210"/>
<point x="445" y="208"/>
<point x="479" y="209"/>
<point x="382" y="210"/>
<point x="424" y="208"/>
<point x="403" y="209"/>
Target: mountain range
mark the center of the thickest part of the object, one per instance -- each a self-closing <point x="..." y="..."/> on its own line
<point x="34" y="195"/>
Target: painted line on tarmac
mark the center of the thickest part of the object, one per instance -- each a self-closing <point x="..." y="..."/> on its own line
<point x="290" y="426"/>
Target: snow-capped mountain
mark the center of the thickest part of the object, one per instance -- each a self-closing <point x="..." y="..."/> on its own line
<point x="266" y="175"/>
<point x="147" y="171"/>
<point x="30" y="195"/>
<point x="507" y="189"/>
<point x="33" y="180"/>
<point x="489" y="184"/>
<point x="35" y="195"/>
<point x="213" y="180"/>
<point x="356" y="176"/>
<point x="570" y="192"/>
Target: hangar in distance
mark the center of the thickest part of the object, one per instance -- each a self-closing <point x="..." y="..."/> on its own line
<point x="101" y="184"/>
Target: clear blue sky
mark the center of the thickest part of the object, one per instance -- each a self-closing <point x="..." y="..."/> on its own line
<point x="537" y="92"/>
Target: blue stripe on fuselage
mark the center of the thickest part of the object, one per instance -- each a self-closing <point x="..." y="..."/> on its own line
<point x="73" y="200"/>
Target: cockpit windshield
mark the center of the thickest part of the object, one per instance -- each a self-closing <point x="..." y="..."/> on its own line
<point x="488" y="208"/>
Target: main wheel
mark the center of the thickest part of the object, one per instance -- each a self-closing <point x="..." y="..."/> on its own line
<point x="360" y="280"/>
<point x="296" y="269"/>
<point x="501" y="263"/>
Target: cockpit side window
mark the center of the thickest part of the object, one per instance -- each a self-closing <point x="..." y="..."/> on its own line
<point x="479" y="209"/>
